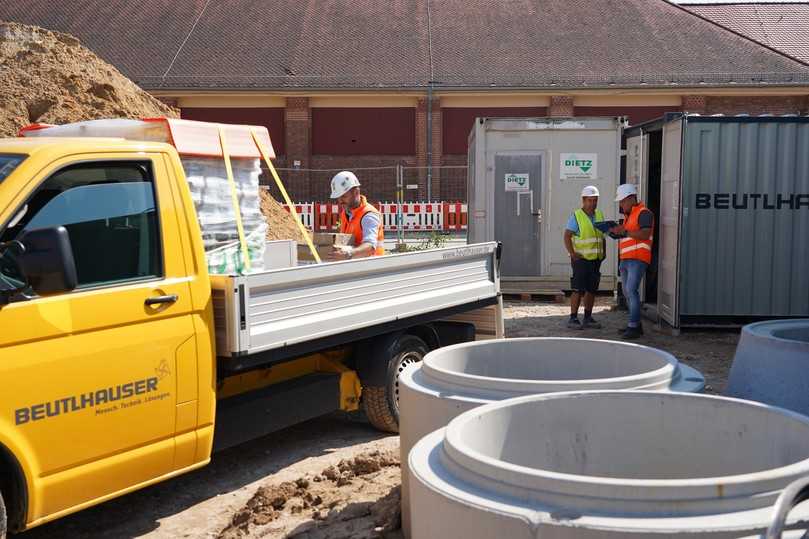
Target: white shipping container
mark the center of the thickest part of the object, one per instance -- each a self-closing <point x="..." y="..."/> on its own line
<point x="525" y="180"/>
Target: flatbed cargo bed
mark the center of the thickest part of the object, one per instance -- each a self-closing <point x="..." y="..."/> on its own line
<point x="280" y="313"/>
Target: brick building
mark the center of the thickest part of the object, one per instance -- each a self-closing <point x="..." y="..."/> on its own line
<point x="364" y="83"/>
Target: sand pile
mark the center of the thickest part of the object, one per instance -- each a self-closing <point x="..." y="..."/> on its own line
<point x="282" y="224"/>
<point x="50" y="77"/>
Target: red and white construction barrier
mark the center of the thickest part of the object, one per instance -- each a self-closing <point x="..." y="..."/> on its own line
<point x="416" y="216"/>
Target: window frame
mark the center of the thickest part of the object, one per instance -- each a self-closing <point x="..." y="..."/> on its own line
<point x="142" y="160"/>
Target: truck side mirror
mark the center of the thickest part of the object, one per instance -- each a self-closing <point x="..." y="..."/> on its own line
<point x="47" y="262"/>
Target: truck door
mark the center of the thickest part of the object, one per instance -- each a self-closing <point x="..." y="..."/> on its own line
<point x="90" y="376"/>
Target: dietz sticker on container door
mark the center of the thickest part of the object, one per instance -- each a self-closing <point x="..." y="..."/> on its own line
<point x="517" y="182"/>
<point x="578" y="166"/>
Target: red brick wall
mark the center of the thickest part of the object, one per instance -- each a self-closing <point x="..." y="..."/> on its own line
<point x="635" y="115"/>
<point x="694" y="103"/>
<point x="561" y="106"/>
<point x="756" y="105"/>
<point x="419" y="177"/>
<point x="363" y="131"/>
<point x="378" y="180"/>
<point x="457" y="123"/>
<point x="451" y="128"/>
<point x="437" y="148"/>
<point x="298" y="128"/>
<point x="376" y="173"/>
<point x="271" y="118"/>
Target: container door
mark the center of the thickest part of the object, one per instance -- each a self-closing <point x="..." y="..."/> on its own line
<point x="637" y="154"/>
<point x="669" y="222"/>
<point x="637" y="158"/>
<point x="517" y="202"/>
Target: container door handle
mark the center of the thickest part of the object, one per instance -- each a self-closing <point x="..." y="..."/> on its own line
<point x="160" y="300"/>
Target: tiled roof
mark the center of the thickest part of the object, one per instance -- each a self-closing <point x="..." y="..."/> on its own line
<point x="782" y="26"/>
<point x="367" y="44"/>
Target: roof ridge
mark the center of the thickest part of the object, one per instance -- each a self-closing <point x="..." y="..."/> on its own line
<point x="732" y="31"/>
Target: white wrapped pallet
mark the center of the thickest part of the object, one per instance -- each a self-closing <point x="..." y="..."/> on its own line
<point x="210" y="191"/>
<point x="202" y="158"/>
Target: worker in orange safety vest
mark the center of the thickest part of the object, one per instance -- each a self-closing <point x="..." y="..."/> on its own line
<point x="358" y="218"/>
<point x="634" y="251"/>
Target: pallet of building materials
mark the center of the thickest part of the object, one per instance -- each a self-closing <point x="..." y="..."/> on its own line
<point x="222" y="208"/>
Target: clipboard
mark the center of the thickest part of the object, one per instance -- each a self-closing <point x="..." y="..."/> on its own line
<point x="605" y="226"/>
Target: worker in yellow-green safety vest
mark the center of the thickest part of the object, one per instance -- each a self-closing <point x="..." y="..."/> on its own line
<point x="586" y="246"/>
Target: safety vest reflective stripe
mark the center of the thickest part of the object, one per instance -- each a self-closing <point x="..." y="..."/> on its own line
<point x="631" y="248"/>
<point x="585" y="241"/>
<point x="636" y="247"/>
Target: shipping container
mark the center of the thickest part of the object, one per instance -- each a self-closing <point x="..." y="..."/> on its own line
<point x="731" y="200"/>
<point x="525" y="181"/>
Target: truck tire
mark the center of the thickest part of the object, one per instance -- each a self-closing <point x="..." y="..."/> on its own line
<point x="3" y="518"/>
<point x="381" y="403"/>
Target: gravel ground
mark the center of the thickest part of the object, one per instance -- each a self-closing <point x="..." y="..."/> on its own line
<point x="333" y="477"/>
<point x="710" y="352"/>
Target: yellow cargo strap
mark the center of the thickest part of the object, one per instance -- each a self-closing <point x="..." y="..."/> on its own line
<point x="234" y="196"/>
<point x="263" y="151"/>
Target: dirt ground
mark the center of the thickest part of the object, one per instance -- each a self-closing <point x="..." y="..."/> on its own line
<point x="334" y="477"/>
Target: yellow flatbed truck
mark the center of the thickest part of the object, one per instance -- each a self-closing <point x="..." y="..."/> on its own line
<point x="125" y="363"/>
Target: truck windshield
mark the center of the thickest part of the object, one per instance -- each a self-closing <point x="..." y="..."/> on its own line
<point x="8" y="163"/>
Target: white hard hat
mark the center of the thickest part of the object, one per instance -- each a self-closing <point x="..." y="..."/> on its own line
<point x="625" y="190"/>
<point x="342" y="183"/>
<point x="590" y="191"/>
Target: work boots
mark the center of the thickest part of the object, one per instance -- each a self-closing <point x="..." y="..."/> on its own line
<point x="590" y="322"/>
<point x="631" y="333"/>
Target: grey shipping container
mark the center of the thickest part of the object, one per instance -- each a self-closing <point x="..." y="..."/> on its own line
<point x="525" y="180"/>
<point x="731" y="197"/>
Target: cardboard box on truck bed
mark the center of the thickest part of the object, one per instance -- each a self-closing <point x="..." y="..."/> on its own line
<point x="324" y="242"/>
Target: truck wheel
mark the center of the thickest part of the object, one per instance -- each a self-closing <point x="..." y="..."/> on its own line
<point x="381" y="403"/>
<point x="3" y="520"/>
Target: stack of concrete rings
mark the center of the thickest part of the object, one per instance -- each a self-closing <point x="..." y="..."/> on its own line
<point x="459" y="378"/>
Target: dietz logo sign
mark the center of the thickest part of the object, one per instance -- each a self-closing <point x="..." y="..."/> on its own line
<point x="517" y="182"/>
<point x="583" y="164"/>
<point x="578" y="166"/>
<point x="754" y="201"/>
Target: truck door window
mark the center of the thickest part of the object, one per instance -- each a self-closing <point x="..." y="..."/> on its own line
<point x="8" y="163"/>
<point x="110" y="212"/>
